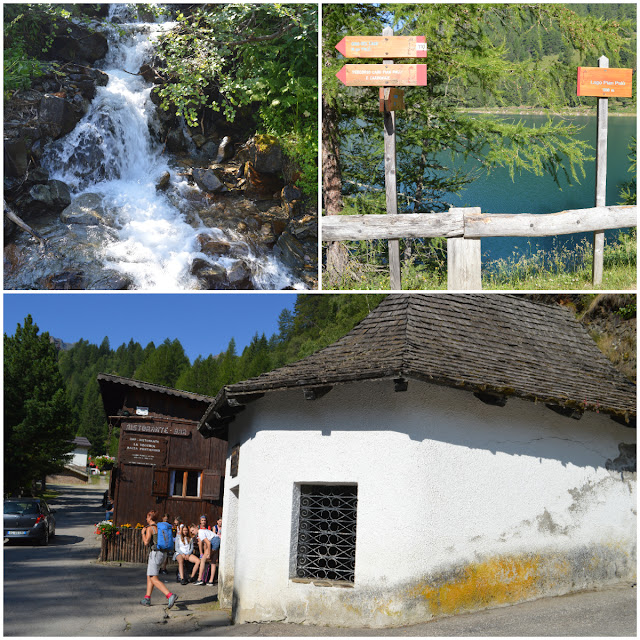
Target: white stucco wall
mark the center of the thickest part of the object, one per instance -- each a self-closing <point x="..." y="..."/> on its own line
<point x="460" y="504"/>
<point x="80" y="455"/>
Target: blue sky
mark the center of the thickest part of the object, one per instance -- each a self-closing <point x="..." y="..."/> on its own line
<point x="204" y="323"/>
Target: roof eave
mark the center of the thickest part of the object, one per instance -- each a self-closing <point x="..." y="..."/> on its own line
<point x="231" y="399"/>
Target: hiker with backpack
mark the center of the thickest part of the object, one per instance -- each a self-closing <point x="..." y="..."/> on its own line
<point x="160" y="537"/>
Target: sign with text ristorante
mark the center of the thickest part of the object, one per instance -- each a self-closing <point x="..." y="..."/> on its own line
<point x="158" y="428"/>
<point x="143" y="449"/>
<point x="383" y="75"/>
<point x="602" y="82"/>
<point x="383" y="46"/>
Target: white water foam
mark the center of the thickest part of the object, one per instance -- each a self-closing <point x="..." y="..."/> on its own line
<point x="111" y="152"/>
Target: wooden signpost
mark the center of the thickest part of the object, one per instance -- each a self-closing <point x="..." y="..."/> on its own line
<point x="383" y="75"/>
<point x="390" y="76"/>
<point x="604" y="83"/>
<point x="383" y="46"/>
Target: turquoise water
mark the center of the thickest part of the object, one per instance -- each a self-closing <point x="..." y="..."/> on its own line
<point x="528" y="193"/>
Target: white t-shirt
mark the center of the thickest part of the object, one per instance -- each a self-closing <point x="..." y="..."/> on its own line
<point x="205" y="533"/>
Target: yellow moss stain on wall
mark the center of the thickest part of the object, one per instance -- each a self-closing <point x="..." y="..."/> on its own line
<point x="478" y="585"/>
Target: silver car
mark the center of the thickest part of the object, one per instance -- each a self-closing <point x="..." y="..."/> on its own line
<point x="29" y="519"/>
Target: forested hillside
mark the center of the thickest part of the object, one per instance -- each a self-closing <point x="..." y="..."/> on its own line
<point x="543" y="42"/>
<point x="315" y="322"/>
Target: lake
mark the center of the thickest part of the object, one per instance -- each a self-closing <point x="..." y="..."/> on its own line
<point x="528" y="193"/>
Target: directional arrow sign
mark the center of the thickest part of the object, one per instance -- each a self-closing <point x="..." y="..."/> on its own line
<point x="604" y="82"/>
<point x="383" y="46"/>
<point x="383" y="75"/>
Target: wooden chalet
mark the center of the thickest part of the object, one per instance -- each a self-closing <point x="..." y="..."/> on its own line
<point x="163" y="462"/>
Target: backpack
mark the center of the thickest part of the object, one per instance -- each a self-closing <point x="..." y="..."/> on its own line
<point x="165" y="537"/>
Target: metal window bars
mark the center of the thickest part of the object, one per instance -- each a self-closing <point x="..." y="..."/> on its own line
<point x="327" y="532"/>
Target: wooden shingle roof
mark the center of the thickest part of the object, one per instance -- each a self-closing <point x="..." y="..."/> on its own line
<point x="496" y="344"/>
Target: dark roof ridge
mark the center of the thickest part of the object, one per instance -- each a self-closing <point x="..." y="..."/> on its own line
<point x="151" y="386"/>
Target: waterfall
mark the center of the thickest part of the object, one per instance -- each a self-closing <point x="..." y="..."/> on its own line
<point x="113" y="153"/>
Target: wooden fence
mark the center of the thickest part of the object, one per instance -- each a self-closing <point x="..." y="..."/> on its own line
<point x="125" y="547"/>
<point x="465" y="227"/>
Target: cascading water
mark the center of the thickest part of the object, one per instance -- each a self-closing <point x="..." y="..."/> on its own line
<point x="112" y="153"/>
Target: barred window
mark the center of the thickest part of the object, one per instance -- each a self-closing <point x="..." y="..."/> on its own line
<point x="327" y="532"/>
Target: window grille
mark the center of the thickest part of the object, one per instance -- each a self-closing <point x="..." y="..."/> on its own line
<point x="327" y="532"/>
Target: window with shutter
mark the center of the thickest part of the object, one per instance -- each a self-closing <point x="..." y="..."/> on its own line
<point x="211" y="485"/>
<point x="160" y="482"/>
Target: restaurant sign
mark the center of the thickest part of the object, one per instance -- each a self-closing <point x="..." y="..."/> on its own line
<point x="143" y="449"/>
<point x="159" y="428"/>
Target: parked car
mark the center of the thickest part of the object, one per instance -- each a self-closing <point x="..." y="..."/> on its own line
<point x="29" y="519"/>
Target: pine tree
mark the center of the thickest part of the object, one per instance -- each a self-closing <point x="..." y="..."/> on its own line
<point x="38" y="421"/>
<point x="164" y="365"/>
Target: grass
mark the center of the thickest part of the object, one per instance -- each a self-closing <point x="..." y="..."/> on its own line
<point x="559" y="269"/>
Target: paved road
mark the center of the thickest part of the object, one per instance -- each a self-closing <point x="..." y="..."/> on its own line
<point x="61" y="590"/>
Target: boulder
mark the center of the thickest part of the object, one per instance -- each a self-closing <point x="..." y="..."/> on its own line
<point x="265" y="153"/>
<point x="176" y="141"/>
<point x="225" y="150"/>
<point x="239" y="275"/>
<point x="42" y="199"/>
<point x="57" y="115"/>
<point x="65" y="281"/>
<point x="291" y="199"/>
<point x="163" y="182"/>
<point x="212" y="276"/>
<point x="76" y="43"/>
<point x="207" y="180"/>
<point x="86" y="209"/>
<point x="213" y="246"/>
<point x="16" y="159"/>
<point x="208" y="150"/>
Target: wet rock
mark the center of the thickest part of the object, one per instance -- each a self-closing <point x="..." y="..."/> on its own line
<point x="76" y="43"/>
<point x="111" y="281"/>
<point x="266" y="154"/>
<point x="213" y="246"/>
<point x="207" y="180"/>
<point x="65" y="281"/>
<point x="15" y="157"/>
<point x="198" y="139"/>
<point x="150" y="74"/>
<point x="57" y="115"/>
<point x="265" y="186"/>
<point x="86" y="209"/>
<point x="41" y="199"/>
<point x="211" y="276"/>
<point x="225" y="150"/>
<point x="267" y="235"/>
<point x="291" y="199"/>
<point x="13" y="258"/>
<point x="176" y="141"/>
<point x="39" y="175"/>
<point x="209" y="150"/>
<point x="163" y="182"/>
<point x="239" y="276"/>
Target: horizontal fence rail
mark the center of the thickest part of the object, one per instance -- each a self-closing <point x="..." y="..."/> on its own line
<point x="470" y="223"/>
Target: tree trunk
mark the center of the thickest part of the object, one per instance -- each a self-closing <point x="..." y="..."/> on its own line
<point x="332" y="185"/>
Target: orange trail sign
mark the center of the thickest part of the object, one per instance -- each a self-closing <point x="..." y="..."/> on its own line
<point x="383" y="75"/>
<point x="603" y="82"/>
<point x="383" y="46"/>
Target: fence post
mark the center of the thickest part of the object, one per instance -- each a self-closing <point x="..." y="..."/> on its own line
<point x="464" y="259"/>
<point x="601" y="179"/>
<point x="390" y="183"/>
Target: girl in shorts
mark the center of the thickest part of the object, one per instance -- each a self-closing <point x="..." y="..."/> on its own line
<point x="150" y="538"/>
